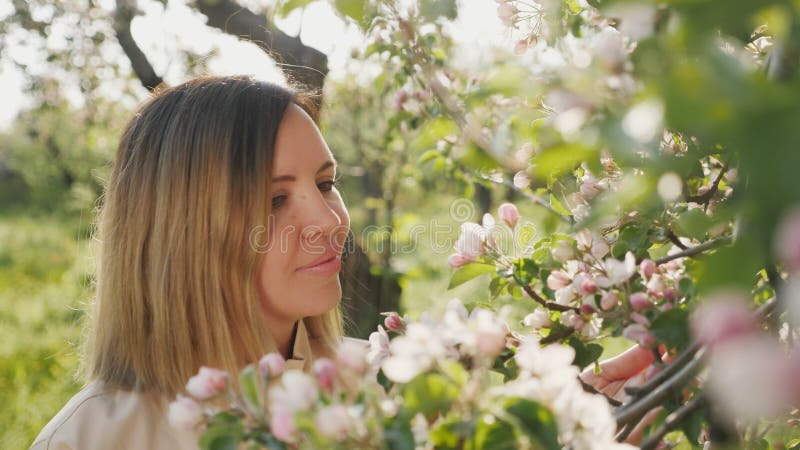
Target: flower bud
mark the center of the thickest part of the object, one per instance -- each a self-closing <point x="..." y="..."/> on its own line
<point x="640" y="319"/>
<point x="508" y="213"/>
<point x="648" y="268"/>
<point x="609" y="301"/>
<point x="325" y="371"/>
<point x="639" y="334"/>
<point x="272" y="365"/>
<point x="587" y="286"/>
<point x="723" y="317"/>
<point x="207" y="383"/>
<point x="456" y="260"/>
<point x="506" y="12"/>
<point x="639" y="301"/>
<point x="395" y="323"/>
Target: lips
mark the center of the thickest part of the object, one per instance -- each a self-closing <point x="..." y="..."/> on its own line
<point x="327" y="264"/>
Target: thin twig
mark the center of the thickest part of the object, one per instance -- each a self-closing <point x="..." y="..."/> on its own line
<point x="675" y="240"/>
<point x="555" y="337"/>
<point x="706" y="197"/>
<point x="591" y="389"/>
<point x="695" y="250"/>
<point x="553" y="306"/>
<point x="673" y="420"/>
<point x="636" y="410"/>
<point x="624" y="432"/>
<point x="537" y="200"/>
<point x="669" y="370"/>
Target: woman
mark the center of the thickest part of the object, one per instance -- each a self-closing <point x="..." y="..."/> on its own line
<point x="220" y="233"/>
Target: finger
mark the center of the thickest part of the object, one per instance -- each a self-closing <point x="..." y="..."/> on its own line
<point x="627" y="364"/>
<point x="636" y="435"/>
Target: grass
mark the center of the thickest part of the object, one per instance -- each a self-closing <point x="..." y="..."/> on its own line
<point x="44" y="284"/>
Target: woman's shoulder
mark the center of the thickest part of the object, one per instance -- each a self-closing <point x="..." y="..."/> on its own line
<point x="100" y="418"/>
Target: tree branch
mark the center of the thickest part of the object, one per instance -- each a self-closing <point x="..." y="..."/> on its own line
<point x="123" y="15"/>
<point x="553" y="306"/>
<point x="673" y="420"/>
<point x="302" y="64"/>
<point x="692" y="251"/>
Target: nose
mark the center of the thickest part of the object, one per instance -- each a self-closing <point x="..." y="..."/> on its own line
<point x="321" y="218"/>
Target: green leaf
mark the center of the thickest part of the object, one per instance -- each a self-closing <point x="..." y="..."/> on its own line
<point x="692" y="425"/>
<point x="585" y="354"/>
<point x="224" y="432"/>
<point x="290" y="5"/>
<point x="536" y="421"/>
<point x="248" y="380"/>
<point x="492" y="433"/>
<point x="456" y="372"/>
<point x="733" y="267"/>
<point x="468" y="272"/>
<point x="429" y="393"/>
<point x="793" y="443"/>
<point x="556" y="161"/>
<point x="574" y="6"/>
<point x="427" y="156"/>
<point x="558" y="206"/>
<point x="672" y="328"/>
<point x="497" y="286"/>
<point x="398" y="434"/>
<point x="351" y="8"/>
<point x="433" y="9"/>
<point x="525" y="271"/>
<point x="693" y="223"/>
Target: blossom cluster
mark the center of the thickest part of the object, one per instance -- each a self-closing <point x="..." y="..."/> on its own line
<point x="438" y="383"/>
<point x="586" y="283"/>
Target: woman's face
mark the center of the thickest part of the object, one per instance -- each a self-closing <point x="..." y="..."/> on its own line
<point x="309" y="223"/>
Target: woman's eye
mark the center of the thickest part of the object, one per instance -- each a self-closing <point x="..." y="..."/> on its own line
<point x="326" y="186"/>
<point x="277" y="201"/>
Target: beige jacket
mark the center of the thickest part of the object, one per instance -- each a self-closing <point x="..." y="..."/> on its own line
<point x="97" y="418"/>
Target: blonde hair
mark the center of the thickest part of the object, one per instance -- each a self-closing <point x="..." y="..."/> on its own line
<point x="176" y="274"/>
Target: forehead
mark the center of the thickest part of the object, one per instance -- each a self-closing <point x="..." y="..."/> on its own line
<point x="299" y="144"/>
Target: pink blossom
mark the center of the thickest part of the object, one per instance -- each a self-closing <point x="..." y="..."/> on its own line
<point x="282" y="425"/>
<point x="508" y="213"/>
<point x="506" y="12"/>
<point x="648" y="268"/>
<point x="638" y="333"/>
<point x="590" y="187"/>
<point x="723" y="317"/>
<point x="639" y="301"/>
<point x="456" y="260"/>
<point x="587" y="284"/>
<point x="378" y="347"/>
<point x="333" y="422"/>
<point x="325" y="371"/>
<point x="470" y="243"/>
<point x="588" y="305"/>
<point x="787" y="240"/>
<point x="207" y="383"/>
<point x="540" y="318"/>
<point x="600" y="248"/>
<point x="184" y="413"/>
<point x="272" y="365"/>
<point x="640" y="319"/>
<point x="521" y="47"/>
<point x="399" y="99"/>
<point x="583" y="239"/>
<point x="352" y="356"/>
<point x="491" y="334"/>
<point x="394" y="322"/>
<point x="609" y="301"/>
<point x="557" y="280"/>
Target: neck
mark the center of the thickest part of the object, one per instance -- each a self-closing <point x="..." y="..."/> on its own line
<point x="284" y="337"/>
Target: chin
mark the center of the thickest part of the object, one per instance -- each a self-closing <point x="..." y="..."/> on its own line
<point x="325" y="301"/>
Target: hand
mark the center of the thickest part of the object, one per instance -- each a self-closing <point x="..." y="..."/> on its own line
<point x="631" y="368"/>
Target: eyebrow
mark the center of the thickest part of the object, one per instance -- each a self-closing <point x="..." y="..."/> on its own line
<point x="327" y="164"/>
